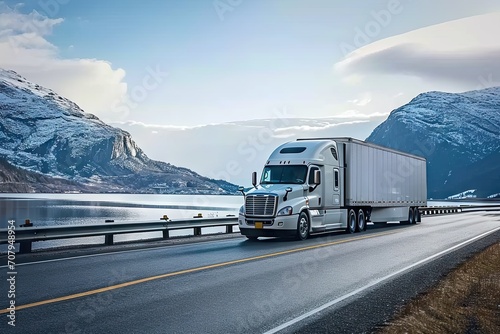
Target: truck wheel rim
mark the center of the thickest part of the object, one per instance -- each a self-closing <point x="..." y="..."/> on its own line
<point x="361" y="222"/>
<point x="303" y="226"/>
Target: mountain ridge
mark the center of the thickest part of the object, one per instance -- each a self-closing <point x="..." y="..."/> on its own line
<point x="43" y="132"/>
<point x="458" y="133"/>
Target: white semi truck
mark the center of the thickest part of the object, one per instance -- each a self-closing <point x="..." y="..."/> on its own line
<point x="327" y="184"/>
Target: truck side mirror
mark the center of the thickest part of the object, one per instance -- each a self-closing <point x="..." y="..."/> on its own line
<point x="254" y="179"/>
<point x="242" y="190"/>
<point x="287" y="190"/>
<point x="317" y="177"/>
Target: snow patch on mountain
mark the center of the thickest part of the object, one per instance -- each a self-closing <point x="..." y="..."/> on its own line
<point x="464" y="194"/>
<point x="458" y="134"/>
<point x="46" y="133"/>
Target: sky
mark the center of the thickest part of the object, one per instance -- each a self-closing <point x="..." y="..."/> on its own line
<point x="160" y="67"/>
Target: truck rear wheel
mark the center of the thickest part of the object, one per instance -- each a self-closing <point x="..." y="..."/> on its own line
<point x="351" y="222"/>
<point x="410" y="217"/>
<point x="361" y="225"/>
<point x="303" y="226"/>
<point x="416" y="216"/>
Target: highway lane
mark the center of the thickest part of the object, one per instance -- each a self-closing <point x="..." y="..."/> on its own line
<point x="134" y="265"/>
<point x="263" y="291"/>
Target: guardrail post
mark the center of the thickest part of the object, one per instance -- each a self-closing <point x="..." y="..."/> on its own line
<point x="108" y="239"/>
<point x="25" y="247"/>
<point x="197" y="230"/>
<point x="166" y="235"/>
<point x="229" y="228"/>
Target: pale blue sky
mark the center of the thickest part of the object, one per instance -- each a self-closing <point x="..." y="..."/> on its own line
<point x="231" y="61"/>
<point x="230" y="65"/>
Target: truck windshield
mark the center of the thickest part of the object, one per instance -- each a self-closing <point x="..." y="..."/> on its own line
<point x="291" y="174"/>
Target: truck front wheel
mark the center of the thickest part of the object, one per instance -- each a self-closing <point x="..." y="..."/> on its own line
<point x="303" y="226"/>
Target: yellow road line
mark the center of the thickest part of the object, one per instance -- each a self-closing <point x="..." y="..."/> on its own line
<point x="187" y="271"/>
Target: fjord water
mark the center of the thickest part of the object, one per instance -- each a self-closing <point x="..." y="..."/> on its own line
<point x="77" y="209"/>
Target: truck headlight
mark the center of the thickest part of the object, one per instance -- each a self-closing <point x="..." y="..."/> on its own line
<point x="242" y="210"/>
<point x="286" y="211"/>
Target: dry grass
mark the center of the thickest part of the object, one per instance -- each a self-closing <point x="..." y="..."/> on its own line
<point x="466" y="301"/>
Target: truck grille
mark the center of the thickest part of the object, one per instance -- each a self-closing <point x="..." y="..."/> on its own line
<point x="260" y="205"/>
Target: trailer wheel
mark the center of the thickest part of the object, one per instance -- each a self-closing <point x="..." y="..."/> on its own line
<point x="410" y="217"/>
<point x="351" y="222"/>
<point x="416" y="216"/>
<point x="303" y="226"/>
<point x="361" y="225"/>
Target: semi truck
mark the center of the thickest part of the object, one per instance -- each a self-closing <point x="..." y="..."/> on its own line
<point x="318" y="185"/>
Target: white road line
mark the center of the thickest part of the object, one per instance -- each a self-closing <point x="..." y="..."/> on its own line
<point x="113" y="253"/>
<point x="355" y="292"/>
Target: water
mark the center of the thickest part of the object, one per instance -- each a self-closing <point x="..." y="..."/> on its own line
<point x="77" y="209"/>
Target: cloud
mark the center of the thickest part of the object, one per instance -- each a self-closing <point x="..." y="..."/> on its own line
<point x="461" y="51"/>
<point x="93" y="84"/>
<point x="294" y="131"/>
<point x="363" y="101"/>
<point x="11" y="19"/>
<point x="160" y="126"/>
<point x="232" y="151"/>
<point x="355" y="114"/>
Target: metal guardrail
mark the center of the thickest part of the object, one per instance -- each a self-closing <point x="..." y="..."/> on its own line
<point x="25" y="236"/>
<point x="438" y="210"/>
<point x="433" y="210"/>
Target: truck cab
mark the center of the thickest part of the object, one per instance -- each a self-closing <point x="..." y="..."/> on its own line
<point x="298" y="186"/>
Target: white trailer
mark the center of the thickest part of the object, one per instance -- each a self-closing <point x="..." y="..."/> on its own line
<point x="326" y="184"/>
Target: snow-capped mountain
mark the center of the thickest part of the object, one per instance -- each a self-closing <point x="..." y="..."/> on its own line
<point x="458" y="134"/>
<point x="43" y="132"/>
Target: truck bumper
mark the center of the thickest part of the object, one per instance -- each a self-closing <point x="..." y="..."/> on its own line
<point x="252" y="232"/>
<point x="282" y="226"/>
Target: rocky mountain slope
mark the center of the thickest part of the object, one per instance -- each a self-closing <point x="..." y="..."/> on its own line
<point x="48" y="134"/>
<point x="14" y="179"/>
<point x="458" y="134"/>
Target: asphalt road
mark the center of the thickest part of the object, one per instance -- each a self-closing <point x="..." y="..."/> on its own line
<point x="227" y="286"/>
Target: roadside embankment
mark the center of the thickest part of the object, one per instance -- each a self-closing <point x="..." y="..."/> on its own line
<point x="467" y="300"/>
